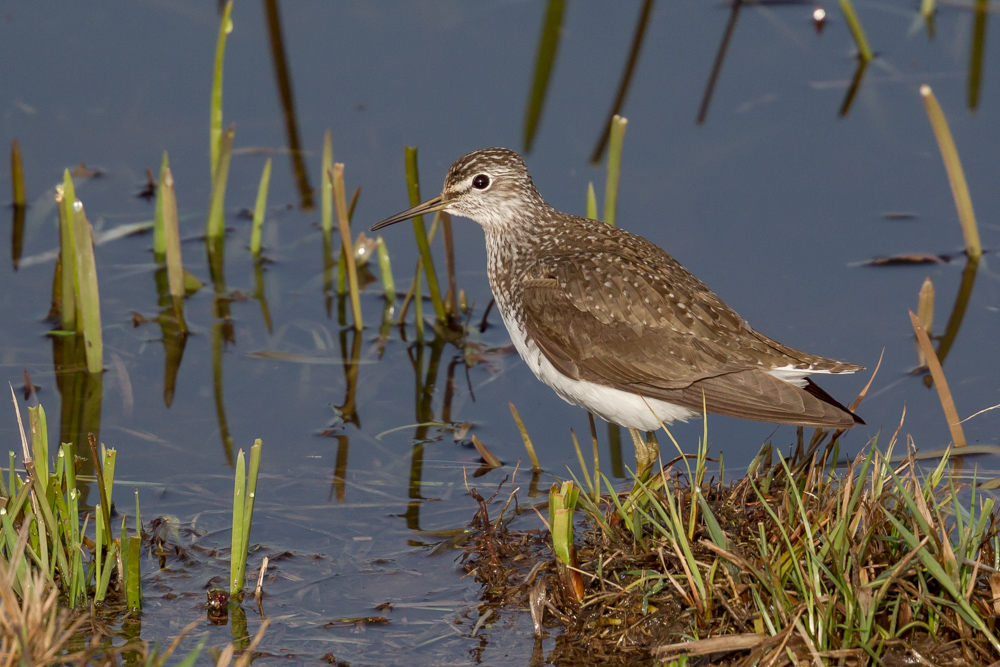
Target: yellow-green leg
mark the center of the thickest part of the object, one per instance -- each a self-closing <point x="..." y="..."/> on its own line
<point x="647" y="452"/>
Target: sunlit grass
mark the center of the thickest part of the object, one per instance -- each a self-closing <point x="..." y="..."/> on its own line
<point x="66" y="285"/>
<point x="925" y="315"/>
<point x="618" y="125"/>
<point x="856" y="560"/>
<point x="944" y="394"/>
<point x="89" y="320"/>
<point x="347" y="246"/>
<point x="326" y="189"/>
<point x="526" y="439"/>
<point x="159" y="233"/>
<point x="956" y="175"/>
<point x="857" y="30"/>
<point x="244" y="495"/>
<point x="385" y="270"/>
<point x="259" y="209"/>
<point x="17" y="175"/>
<point x="215" y="114"/>
<point x="413" y="187"/>
<point x="176" y="277"/>
<point x="215" y="226"/>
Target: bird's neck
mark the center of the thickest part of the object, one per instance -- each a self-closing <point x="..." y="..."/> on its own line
<point x="512" y="250"/>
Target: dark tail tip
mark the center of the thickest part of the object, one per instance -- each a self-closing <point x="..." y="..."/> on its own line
<point x="818" y="392"/>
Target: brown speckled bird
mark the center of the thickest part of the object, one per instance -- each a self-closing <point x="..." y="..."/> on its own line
<point x="616" y="325"/>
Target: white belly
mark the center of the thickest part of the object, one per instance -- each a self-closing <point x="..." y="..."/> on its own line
<point x="613" y="405"/>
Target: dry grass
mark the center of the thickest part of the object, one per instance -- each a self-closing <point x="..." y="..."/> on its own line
<point x="34" y="630"/>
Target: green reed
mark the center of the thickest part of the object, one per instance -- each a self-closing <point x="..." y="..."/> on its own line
<point x="259" y="209"/>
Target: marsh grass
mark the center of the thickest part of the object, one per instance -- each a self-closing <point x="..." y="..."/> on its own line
<point x="613" y="177"/>
<point x="34" y="628"/>
<point x="413" y="188"/>
<point x="925" y="315"/>
<point x="801" y="561"/>
<point x="535" y="467"/>
<point x="58" y="584"/>
<point x="166" y="207"/>
<point x="857" y="30"/>
<point x="548" y="48"/>
<point x="956" y="175"/>
<point x="944" y="394"/>
<point x="347" y="259"/>
<point x="64" y="288"/>
<point x="159" y="232"/>
<point x="215" y="226"/>
<point x="618" y="125"/>
<point x="215" y="112"/>
<point x="46" y="504"/>
<point x="17" y="176"/>
<point x="385" y="270"/>
<point x="89" y="320"/>
<point x="75" y="292"/>
<point x="326" y="190"/>
<point x="244" y="494"/>
<point x="259" y="209"/>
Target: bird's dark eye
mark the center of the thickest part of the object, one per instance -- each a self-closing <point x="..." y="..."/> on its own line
<point x="481" y="182"/>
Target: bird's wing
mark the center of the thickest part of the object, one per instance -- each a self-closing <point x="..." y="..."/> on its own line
<point x="617" y="341"/>
<point x="629" y="326"/>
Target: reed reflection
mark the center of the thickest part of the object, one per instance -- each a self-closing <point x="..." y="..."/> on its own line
<point x="272" y="14"/>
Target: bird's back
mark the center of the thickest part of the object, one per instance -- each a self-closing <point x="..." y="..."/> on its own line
<point x="609" y="307"/>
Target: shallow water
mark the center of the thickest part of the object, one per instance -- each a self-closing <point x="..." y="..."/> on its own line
<point x="774" y="201"/>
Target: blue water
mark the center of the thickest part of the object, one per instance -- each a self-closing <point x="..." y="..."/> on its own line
<point x="775" y="202"/>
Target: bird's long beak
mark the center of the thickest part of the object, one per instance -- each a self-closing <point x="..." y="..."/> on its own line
<point x="429" y="206"/>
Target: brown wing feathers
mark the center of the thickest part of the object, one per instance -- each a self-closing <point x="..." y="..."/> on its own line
<point x="666" y="343"/>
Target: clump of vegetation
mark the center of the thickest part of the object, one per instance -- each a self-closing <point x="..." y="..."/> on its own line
<point x="53" y="571"/>
<point x="799" y="562"/>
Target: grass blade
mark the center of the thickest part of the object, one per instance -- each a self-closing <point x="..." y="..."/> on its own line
<point x="527" y="440"/>
<point x="215" y="118"/>
<point x="133" y="577"/>
<point x="618" y="125"/>
<point x="413" y="187"/>
<point x="326" y="191"/>
<point x="244" y="494"/>
<point x="956" y="175"/>
<point x="548" y="47"/>
<point x="489" y="458"/>
<point x="947" y="402"/>
<point x="857" y="31"/>
<point x="216" y="225"/>
<point x="159" y="234"/>
<point x="90" y="302"/>
<point x="171" y="235"/>
<point x="925" y="313"/>
<point x="347" y="247"/>
<point x="385" y="270"/>
<point x="172" y="244"/>
<point x="238" y="550"/>
<point x="40" y="443"/>
<point x="17" y="175"/>
<point x="65" y="196"/>
<point x="259" y="208"/>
